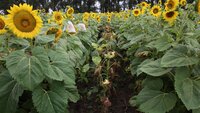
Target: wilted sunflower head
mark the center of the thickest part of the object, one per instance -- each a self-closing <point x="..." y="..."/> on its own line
<point x="170" y="16"/>
<point x="23" y="21"/>
<point x="70" y="12"/>
<point x="136" y="12"/>
<point x="182" y="2"/>
<point x="156" y="10"/>
<point x="57" y="17"/>
<point x="171" y="5"/>
<point x="2" y="25"/>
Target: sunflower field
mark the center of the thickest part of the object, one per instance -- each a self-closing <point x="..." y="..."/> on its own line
<point x="141" y="60"/>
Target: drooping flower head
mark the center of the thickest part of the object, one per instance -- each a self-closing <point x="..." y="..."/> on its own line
<point x="24" y="21"/>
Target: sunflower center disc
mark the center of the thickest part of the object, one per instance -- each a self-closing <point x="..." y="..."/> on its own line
<point x="170" y="14"/>
<point x="24" y="21"/>
<point x="70" y="11"/>
<point x="2" y="24"/>
<point x="155" y="11"/>
<point x="170" y="5"/>
<point x="136" y="12"/>
<point x="58" y="18"/>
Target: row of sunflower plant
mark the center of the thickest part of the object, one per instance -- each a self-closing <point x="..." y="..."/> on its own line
<point x="163" y="51"/>
<point x="42" y="54"/>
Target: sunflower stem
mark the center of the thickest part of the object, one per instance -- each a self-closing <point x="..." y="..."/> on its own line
<point x="31" y="43"/>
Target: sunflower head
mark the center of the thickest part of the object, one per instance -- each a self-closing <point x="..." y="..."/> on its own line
<point x="23" y="21"/>
<point x="182" y="2"/>
<point x="108" y="19"/>
<point x="85" y="20"/>
<point x="2" y="25"/>
<point x="70" y="12"/>
<point x="93" y="15"/>
<point x="144" y="4"/>
<point x="58" y="35"/>
<point x="57" y="17"/>
<point x="171" y="5"/>
<point x="156" y="11"/>
<point x="98" y="18"/>
<point x="136" y="12"/>
<point x="170" y="16"/>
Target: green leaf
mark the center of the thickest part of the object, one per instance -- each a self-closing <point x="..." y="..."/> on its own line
<point x="10" y="91"/>
<point x="85" y="68"/>
<point x="143" y="63"/>
<point x="43" y="40"/>
<point x="154" y="68"/>
<point x="51" y="101"/>
<point x="60" y="68"/>
<point x="196" y="110"/>
<point x="153" y="101"/>
<point x="96" y="60"/>
<point x="187" y="89"/>
<point x="153" y="83"/>
<point x="179" y="56"/>
<point x="19" y="41"/>
<point x="27" y="69"/>
<point x="72" y="93"/>
<point x="161" y="44"/>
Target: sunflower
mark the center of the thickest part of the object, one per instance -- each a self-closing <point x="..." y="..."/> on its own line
<point x="170" y="16"/>
<point x="198" y="6"/>
<point x="86" y="15"/>
<point x="182" y="2"/>
<point x="23" y="21"/>
<point x="171" y="5"/>
<point x="108" y="20"/>
<point x="58" y="35"/>
<point x="2" y="25"/>
<point x="98" y="18"/>
<point x="136" y="12"/>
<point x="144" y="4"/>
<point x="156" y="11"/>
<point x="85" y="19"/>
<point x="70" y="12"/>
<point x="58" y="17"/>
<point x="93" y="15"/>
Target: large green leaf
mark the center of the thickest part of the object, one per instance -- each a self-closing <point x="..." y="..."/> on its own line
<point x="152" y="83"/>
<point x="54" y="100"/>
<point x="72" y="93"/>
<point x="10" y="91"/>
<point x="196" y="111"/>
<point x="153" y="101"/>
<point x="154" y="68"/>
<point x="187" y="89"/>
<point x="179" y="56"/>
<point x="60" y="68"/>
<point x="28" y="69"/>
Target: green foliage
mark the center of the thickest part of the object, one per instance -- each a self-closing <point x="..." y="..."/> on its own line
<point x="10" y="91"/>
